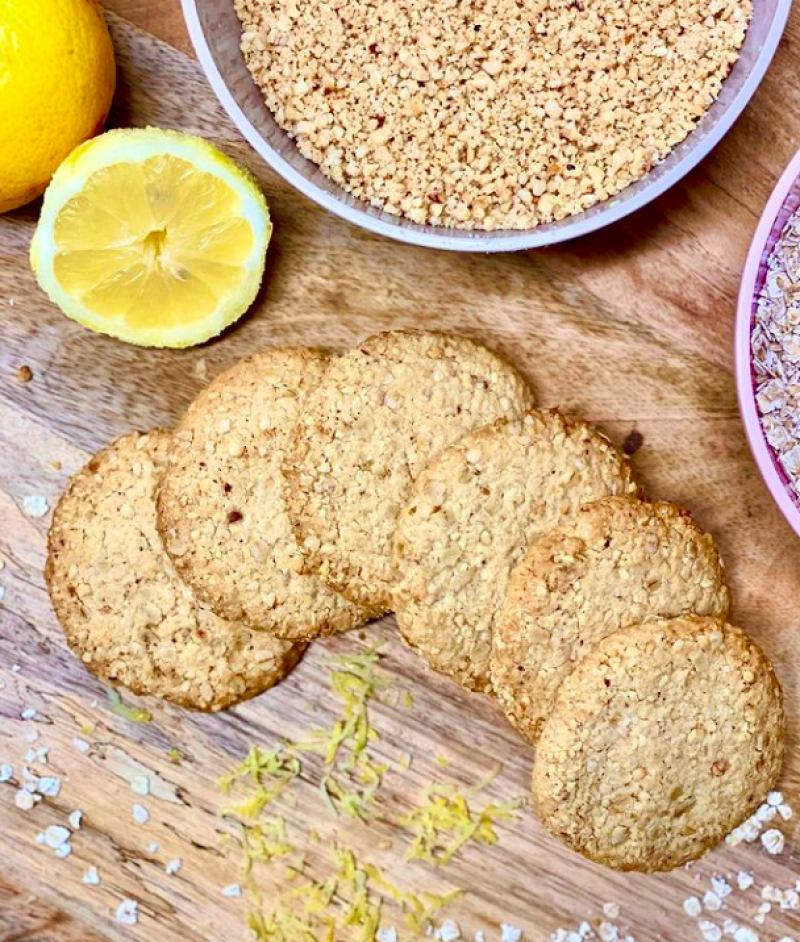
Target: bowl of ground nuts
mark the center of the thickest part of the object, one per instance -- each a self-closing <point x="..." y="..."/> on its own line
<point x="768" y="344"/>
<point x="484" y="127"/>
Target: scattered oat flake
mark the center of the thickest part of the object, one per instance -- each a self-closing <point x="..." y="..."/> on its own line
<point x="35" y="506"/>
<point x="128" y="912"/>
<point x="174" y="866"/>
<point x="773" y="841"/>
<point x="141" y="785"/>
<point x="611" y="910"/>
<point x="232" y="891"/>
<point x="140" y="814"/>
<point x="55" y="836"/>
<point x="721" y="887"/>
<point x="692" y="906"/>
<point x="91" y="877"/>
<point x="49" y="786"/>
<point x="711" y="901"/>
<point x="24" y="374"/>
<point x="448" y="931"/>
<point x="743" y="934"/>
<point x="75" y="820"/>
<point x="25" y="800"/>
<point x="710" y="931"/>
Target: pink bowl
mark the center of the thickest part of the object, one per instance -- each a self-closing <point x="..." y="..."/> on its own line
<point x="784" y="202"/>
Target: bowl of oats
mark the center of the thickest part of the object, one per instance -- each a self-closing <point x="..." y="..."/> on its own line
<point x="768" y="344"/>
<point x="484" y="126"/>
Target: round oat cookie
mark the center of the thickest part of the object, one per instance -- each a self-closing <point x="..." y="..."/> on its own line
<point x="662" y="740"/>
<point x="618" y="562"/>
<point x="221" y="507"/>
<point x="125" y="611"/>
<point x="471" y="514"/>
<point x="383" y="410"/>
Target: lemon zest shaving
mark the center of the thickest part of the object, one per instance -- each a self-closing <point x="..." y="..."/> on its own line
<point x="344" y="747"/>
<point x="132" y="713"/>
<point x="445" y="822"/>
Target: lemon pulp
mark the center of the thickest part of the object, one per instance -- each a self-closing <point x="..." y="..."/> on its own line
<point x="150" y="242"/>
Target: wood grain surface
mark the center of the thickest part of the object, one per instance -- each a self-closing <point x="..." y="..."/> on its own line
<point x="631" y="328"/>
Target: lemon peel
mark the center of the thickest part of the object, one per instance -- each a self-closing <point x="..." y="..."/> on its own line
<point x="132" y="713"/>
<point x="445" y="822"/>
<point x="345" y="904"/>
<point x="267" y="772"/>
<point x="352" y="778"/>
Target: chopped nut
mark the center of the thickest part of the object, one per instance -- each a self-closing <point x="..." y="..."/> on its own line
<point x="477" y="112"/>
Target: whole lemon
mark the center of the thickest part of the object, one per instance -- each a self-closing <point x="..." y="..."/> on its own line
<point x="57" y="79"/>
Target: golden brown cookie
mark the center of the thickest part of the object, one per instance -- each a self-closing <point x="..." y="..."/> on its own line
<point x="662" y="740"/>
<point x="383" y="410"/>
<point x="618" y="562"/>
<point x="125" y="611"/>
<point x="221" y="507"/>
<point x="472" y="513"/>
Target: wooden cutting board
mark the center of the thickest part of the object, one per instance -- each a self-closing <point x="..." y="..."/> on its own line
<point x="590" y="343"/>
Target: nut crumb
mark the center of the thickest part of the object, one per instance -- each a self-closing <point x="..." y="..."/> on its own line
<point x="494" y="116"/>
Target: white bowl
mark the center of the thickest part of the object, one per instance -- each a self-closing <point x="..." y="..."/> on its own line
<point x="215" y="31"/>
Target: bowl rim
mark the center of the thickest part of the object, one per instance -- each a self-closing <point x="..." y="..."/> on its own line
<point x="762" y="451"/>
<point x="514" y="241"/>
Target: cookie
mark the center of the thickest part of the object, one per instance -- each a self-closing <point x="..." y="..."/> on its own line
<point x="221" y="507"/>
<point x="383" y="410"/>
<point x="471" y="514"/>
<point x="125" y="611"/>
<point x="618" y="562"/>
<point x="662" y="740"/>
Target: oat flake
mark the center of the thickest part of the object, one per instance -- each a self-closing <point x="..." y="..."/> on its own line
<point x="773" y="841"/>
<point x="35" y="506"/>
<point x="128" y="912"/>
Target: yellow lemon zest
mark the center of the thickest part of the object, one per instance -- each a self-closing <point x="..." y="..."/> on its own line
<point x="445" y="822"/>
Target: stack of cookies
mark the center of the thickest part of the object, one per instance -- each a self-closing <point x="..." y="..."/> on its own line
<point x="303" y="494"/>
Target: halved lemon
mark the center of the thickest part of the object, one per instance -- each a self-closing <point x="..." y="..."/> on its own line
<point x="153" y="237"/>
